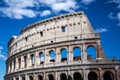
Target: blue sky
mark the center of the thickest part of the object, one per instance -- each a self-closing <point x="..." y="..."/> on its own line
<point x="104" y="16"/>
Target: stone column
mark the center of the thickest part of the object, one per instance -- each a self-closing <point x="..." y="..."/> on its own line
<point x="70" y="54"/>
<point x="28" y="61"/>
<point x="17" y="64"/>
<point x="58" y="56"/>
<point x="12" y="69"/>
<point x="55" y="75"/>
<point x="116" y="72"/>
<point x="37" y="59"/>
<point x="100" y="74"/>
<point x="22" y="62"/>
<point x="84" y="54"/>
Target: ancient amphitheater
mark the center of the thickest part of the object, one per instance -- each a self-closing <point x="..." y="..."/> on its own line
<point x="57" y="49"/>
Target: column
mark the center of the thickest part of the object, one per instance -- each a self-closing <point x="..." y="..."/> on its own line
<point x="37" y="59"/>
<point x="22" y="62"/>
<point x="100" y="74"/>
<point x="16" y="64"/>
<point x="12" y="69"/>
<point x="84" y="54"/>
<point x="28" y="61"/>
<point x="70" y="53"/>
<point x="116" y="72"/>
<point x="58" y="56"/>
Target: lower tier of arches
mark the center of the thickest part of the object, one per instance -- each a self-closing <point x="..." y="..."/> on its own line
<point x="66" y="74"/>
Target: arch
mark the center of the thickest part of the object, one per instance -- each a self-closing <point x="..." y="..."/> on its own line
<point x="91" y="52"/>
<point x="52" y="56"/>
<point x="108" y="76"/>
<point x="63" y="76"/>
<point x="92" y="76"/>
<point x="23" y="78"/>
<point x="30" y="78"/>
<point x="50" y="77"/>
<point x="32" y="59"/>
<point x="42" y="56"/>
<point x="69" y="77"/>
<point x="76" y="53"/>
<point x="77" y="76"/>
<point x="40" y="77"/>
<point x="63" y="54"/>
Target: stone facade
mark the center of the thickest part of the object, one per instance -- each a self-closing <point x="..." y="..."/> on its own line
<point x="36" y="54"/>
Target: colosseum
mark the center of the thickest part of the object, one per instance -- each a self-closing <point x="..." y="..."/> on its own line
<point x="57" y="49"/>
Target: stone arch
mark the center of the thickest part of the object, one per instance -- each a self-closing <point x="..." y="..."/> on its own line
<point x="69" y="77"/>
<point x="92" y="76"/>
<point x="41" y="56"/>
<point x="76" y="53"/>
<point x="63" y="52"/>
<point x="91" y="52"/>
<point x="40" y="77"/>
<point x="108" y="75"/>
<point x="63" y="76"/>
<point x="23" y="78"/>
<point x="77" y="76"/>
<point x="51" y="77"/>
<point x="30" y="77"/>
<point x="32" y="59"/>
<point x="52" y="55"/>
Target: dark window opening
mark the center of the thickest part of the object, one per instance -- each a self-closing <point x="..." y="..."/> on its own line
<point x="25" y="60"/>
<point x="51" y="77"/>
<point x="19" y="60"/>
<point x="26" y="38"/>
<point x="41" y="34"/>
<point x="63" y="76"/>
<point x="108" y="76"/>
<point x="63" y="29"/>
<point x="40" y="77"/>
<point x="76" y="37"/>
<point x="33" y="59"/>
<point x="77" y="76"/>
<point x="92" y="76"/>
<point x="51" y="41"/>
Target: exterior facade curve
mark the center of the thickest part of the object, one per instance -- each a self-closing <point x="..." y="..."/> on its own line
<point x="58" y="48"/>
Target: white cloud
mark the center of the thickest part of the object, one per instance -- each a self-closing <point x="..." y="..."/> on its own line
<point x="45" y="13"/>
<point x="60" y="5"/>
<point x="101" y="30"/>
<point x="18" y="13"/>
<point x="116" y="2"/>
<point x="1" y="55"/>
<point x="118" y="17"/>
<point x="111" y="16"/>
<point x="87" y="2"/>
<point x="19" y="9"/>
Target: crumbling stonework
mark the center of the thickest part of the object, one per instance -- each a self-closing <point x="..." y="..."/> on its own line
<point x="30" y="53"/>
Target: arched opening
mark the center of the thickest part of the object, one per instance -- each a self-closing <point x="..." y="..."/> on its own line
<point x="52" y="56"/>
<point x="17" y="78"/>
<point x="41" y="55"/>
<point x="50" y="77"/>
<point x="92" y="76"/>
<point x="91" y="53"/>
<point x="30" y="78"/>
<point x="40" y="77"/>
<point x="69" y="77"/>
<point x="23" y="78"/>
<point x="19" y="61"/>
<point x="76" y="53"/>
<point x="77" y="76"/>
<point x="108" y="76"/>
<point x="63" y="55"/>
<point x="32" y="59"/>
<point x="63" y="76"/>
